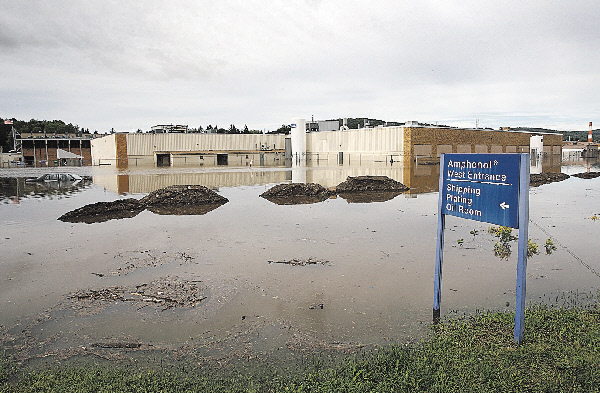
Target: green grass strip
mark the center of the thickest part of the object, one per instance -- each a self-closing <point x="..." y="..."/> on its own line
<point x="560" y="353"/>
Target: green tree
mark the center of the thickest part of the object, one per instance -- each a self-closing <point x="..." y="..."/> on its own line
<point x="5" y="136"/>
<point x="284" y="129"/>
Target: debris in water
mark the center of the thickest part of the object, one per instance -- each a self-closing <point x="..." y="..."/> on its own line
<point x="303" y="262"/>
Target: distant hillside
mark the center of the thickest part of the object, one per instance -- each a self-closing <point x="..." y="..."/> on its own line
<point x="535" y="129"/>
<point x="581" y="136"/>
<point x="362" y="122"/>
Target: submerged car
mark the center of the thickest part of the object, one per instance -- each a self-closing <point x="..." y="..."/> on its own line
<point x="64" y="178"/>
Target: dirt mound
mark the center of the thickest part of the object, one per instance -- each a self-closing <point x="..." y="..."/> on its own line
<point x="360" y="189"/>
<point x="174" y="200"/>
<point x="296" y="194"/>
<point x="104" y="211"/>
<point x="296" y="189"/>
<point x="182" y="195"/>
<point x="537" y="179"/>
<point x="370" y="183"/>
<point x="587" y="175"/>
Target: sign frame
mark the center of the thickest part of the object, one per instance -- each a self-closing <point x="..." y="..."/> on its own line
<point x="523" y="226"/>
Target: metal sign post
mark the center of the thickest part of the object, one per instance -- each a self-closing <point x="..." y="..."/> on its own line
<point x="523" y="246"/>
<point x="491" y="188"/>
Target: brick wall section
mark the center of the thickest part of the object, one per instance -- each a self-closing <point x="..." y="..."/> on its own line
<point x="121" y="147"/>
<point x="455" y="137"/>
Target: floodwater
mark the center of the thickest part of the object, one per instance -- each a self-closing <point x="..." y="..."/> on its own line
<point x="373" y="285"/>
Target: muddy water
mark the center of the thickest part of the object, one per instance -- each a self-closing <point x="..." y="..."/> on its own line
<point x="374" y="287"/>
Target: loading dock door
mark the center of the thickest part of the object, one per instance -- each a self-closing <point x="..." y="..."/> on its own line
<point x="222" y="159"/>
<point x="163" y="160"/>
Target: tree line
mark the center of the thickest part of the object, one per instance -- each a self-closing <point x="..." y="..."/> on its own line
<point x="232" y="129"/>
<point x="57" y="127"/>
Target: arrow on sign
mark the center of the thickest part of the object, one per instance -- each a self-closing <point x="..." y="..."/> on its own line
<point x="504" y="206"/>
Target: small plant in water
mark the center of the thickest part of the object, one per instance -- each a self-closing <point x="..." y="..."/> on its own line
<point x="502" y="247"/>
<point x="460" y="241"/>
<point x="474" y="232"/>
<point x="594" y="217"/>
<point x="549" y="246"/>
<point x="532" y="249"/>
<point x="503" y="233"/>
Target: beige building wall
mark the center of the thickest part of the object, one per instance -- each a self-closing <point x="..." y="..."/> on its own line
<point x="104" y="150"/>
<point x="148" y="144"/>
<point x="386" y="140"/>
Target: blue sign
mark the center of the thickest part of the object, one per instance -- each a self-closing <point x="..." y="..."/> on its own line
<point x="482" y="187"/>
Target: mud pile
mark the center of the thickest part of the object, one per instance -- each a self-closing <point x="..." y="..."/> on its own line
<point x="104" y="211"/>
<point x="296" y="189"/>
<point x="296" y="194"/>
<point x="370" y="183"/>
<point x="367" y="189"/>
<point x="172" y="200"/>
<point x="587" y="175"/>
<point x="182" y="195"/>
<point x="537" y="179"/>
<point x="360" y="189"/>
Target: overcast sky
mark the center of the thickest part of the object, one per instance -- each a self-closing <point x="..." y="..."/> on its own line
<point x="134" y="64"/>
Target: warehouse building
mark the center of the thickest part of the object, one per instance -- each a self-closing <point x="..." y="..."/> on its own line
<point x="379" y="144"/>
<point x="180" y="149"/>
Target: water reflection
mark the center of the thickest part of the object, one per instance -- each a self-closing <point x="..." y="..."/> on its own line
<point x="185" y="210"/>
<point x="144" y="182"/>
<point x="296" y="200"/>
<point x="420" y="177"/>
<point x="13" y="189"/>
<point x="369" y="197"/>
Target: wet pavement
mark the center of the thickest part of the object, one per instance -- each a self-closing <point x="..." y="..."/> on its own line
<point x="74" y="288"/>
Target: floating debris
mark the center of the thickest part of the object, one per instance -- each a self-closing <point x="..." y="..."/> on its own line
<point x="117" y="345"/>
<point x="303" y="262"/>
<point x="167" y="292"/>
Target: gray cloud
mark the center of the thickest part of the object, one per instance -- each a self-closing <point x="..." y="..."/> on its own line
<point x="130" y="65"/>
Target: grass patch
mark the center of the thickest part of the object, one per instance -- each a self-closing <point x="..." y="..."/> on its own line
<point x="560" y="352"/>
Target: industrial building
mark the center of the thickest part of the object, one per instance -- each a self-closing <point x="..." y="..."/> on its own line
<point x="40" y="150"/>
<point x="180" y="149"/>
<point x="379" y="144"/>
<point x="166" y="128"/>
